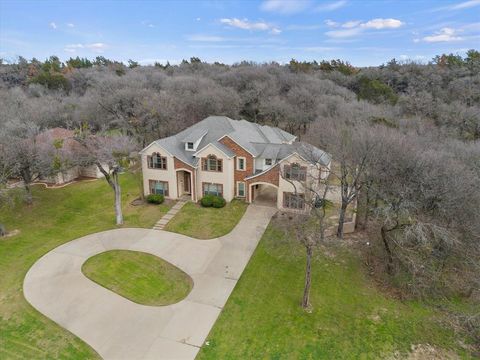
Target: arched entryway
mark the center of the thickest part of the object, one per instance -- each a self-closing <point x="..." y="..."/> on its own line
<point x="185" y="183"/>
<point x="262" y="193"/>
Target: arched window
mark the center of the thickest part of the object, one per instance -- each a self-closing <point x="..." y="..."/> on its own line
<point x="156" y="161"/>
<point x="295" y="172"/>
<point x="211" y="163"/>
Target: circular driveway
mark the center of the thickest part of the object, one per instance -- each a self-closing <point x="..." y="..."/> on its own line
<point x="118" y="328"/>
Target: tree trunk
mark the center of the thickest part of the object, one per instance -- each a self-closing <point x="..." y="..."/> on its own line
<point x="28" y="197"/>
<point x="383" y="232"/>
<point x="118" y="199"/>
<point x="341" y="219"/>
<point x="308" y="278"/>
<point x="362" y="210"/>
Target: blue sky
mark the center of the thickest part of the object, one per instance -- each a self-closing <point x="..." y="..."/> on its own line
<point x="362" y="32"/>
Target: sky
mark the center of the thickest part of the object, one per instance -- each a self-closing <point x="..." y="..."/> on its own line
<point x="362" y="32"/>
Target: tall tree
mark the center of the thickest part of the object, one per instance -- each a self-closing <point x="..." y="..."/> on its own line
<point x="111" y="154"/>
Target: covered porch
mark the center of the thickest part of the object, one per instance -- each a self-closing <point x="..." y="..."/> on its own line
<point x="263" y="194"/>
<point x="185" y="184"/>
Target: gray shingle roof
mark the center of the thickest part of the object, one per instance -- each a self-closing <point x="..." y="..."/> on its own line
<point x="259" y="140"/>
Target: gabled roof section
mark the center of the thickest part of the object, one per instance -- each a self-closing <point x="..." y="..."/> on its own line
<point x="259" y="140"/>
<point x="225" y="149"/>
<point x="195" y="135"/>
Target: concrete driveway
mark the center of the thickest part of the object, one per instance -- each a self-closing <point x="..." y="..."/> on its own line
<point x="120" y="329"/>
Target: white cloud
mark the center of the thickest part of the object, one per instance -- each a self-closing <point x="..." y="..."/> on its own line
<point x="303" y="27"/>
<point x="344" y="33"/>
<point x="285" y="6"/>
<point x="248" y="25"/>
<point x="331" y="6"/>
<point x="53" y="25"/>
<point x="198" y="19"/>
<point x="351" y="24"/>
<point x="355" y="27"/>
<point x="445" y="34"/>
<point x="95" y="47"/>
<point x="460" y="6"/>
<point x="382" y="24"/>
<point x="148" y="24"/>
<point x="70" y="25"/>
<point x="331" y="23"/>
<point x="205" y="38"/>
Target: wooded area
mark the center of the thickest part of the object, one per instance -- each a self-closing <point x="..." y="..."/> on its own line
<point x="405" y="136"/>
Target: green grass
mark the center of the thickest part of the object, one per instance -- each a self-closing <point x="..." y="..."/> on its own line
<point x="139" y="277"/>
<point x="350" y="319"/>
<point x="57" y="216"/>
<point x="207" y="223"/>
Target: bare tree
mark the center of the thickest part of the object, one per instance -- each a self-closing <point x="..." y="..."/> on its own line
<point x="111" y="154"/>
<point x="308" y="225"/>
<point x="354" y="149"/>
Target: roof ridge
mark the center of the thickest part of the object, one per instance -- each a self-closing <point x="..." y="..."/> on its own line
<point x="261" y="133"/>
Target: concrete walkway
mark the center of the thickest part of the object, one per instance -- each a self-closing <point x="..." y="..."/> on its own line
<point x="160" y="224"/>
<point x="120" y="329"/>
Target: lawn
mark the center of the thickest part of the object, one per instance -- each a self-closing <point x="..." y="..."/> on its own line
<point x="207" y="223"/>
<point x="57" y="216"/>
<point x="350" y="318"/>
<point x="142" y="278"/>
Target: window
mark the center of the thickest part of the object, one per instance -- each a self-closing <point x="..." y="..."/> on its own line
<point x="241" y="163"/>
<point x="156" y="161"/>
<point x="212" y="189"/>
<point x="295" y="172"/>
<point x="240" y="189"/>
<point x="211" y="163"/>
<point x="189" y="146"/>
<point x="268" y="162"/>
<point x="159" y="187"/>
<point x="293" y="201"/>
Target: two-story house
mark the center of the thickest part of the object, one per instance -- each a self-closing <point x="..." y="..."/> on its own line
<point x="234" y="159"/>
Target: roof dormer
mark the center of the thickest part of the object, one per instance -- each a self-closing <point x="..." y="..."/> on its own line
<point x="193" y="139"/>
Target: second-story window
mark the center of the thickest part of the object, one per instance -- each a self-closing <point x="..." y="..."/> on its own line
<point x="189" y="145"/>
<point x="241" y="163"/>
<point x="295" y="172"/>
<point x="156" y="161"/>
<point x="268" y="162"/>
<point x="212" y="163"/>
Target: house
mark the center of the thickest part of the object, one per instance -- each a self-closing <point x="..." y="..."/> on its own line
<point x="61" y="143"/>
<point x="233" y="159"/>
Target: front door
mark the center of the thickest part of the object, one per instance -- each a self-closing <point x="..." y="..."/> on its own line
<point x="186" y="182"/>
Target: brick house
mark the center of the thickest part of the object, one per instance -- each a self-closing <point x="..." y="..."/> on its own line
<point x="233" y="159"/>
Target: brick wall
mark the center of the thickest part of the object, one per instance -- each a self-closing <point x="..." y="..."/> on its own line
<point x="239" y="175"/>
<point x="270" y="177"/>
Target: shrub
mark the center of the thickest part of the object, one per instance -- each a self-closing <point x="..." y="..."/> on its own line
<point x="155" y="198"/>
<point x="207" y="200"/>
<point x="218" y="202"/>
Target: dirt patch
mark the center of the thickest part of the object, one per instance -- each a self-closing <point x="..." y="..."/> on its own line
<point x="137" y="202"/>
<point x="425" y="352"/>
<point x="10" y="234"/>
